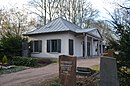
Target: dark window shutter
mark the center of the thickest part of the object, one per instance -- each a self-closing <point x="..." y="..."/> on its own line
<point x="40" y="46"/>
<point x="59" y="45"/>
<point x="48" y="46"/>
<point x="71" y="46"/>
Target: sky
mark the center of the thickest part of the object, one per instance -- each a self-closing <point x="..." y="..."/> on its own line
<point x="101" y="5"/>
<point x="105" y="6"/>
<point x="9" y="3"/>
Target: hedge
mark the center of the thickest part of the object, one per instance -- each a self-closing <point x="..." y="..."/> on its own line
<point x="30" y="62"/>
<point x="24" y="61"/>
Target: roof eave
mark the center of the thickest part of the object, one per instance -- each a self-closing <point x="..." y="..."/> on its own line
<point x="47" y="33"/>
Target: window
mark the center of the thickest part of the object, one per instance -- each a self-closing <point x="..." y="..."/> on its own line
<point x="54" y="45"/>
<point x="71" y="50"/>
<point x="36" y="46"/>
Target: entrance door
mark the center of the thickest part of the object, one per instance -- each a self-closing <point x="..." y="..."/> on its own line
<point x="71" y="46"/>
<point x="88" y="48"/>
<point x="83" y="49"/>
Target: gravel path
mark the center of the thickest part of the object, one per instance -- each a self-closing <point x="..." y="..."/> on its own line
<point x="88" y="62"/>
<point x="36" y="75"/>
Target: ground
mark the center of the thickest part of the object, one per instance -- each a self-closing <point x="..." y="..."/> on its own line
<point x="36" y="75"/>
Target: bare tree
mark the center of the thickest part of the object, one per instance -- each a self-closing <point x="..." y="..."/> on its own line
<point x="76" y="11"/>
<point x="121" y="26"/>
<point x="14" y="21"/>
<point x="104" y="28"/>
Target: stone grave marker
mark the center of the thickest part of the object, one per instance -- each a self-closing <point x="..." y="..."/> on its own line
<point x="25" y="49"/>
<point x="108" y="72"/>
<point x="67" y="70"/>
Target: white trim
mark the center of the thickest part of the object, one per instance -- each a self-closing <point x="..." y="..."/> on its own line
<point x="94" y="37"/>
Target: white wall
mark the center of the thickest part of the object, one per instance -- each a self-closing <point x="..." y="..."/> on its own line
<point x="95" y="33"/>
<point x="64" y="44"/>
<point x="78" y="48"/>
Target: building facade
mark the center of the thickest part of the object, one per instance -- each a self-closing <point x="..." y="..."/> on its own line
<point x="61" y="37"/>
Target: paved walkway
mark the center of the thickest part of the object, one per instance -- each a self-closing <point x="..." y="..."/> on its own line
<point x="36" y="75"/>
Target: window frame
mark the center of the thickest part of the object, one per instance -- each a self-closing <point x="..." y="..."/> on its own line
<point x="50" y="45"/>
<point x="39" y="46"/>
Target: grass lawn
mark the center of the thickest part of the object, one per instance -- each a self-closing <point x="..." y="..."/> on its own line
<point x="95" y="67"/>
<point x="11" y="70"/>
<point x="23" y="62"/>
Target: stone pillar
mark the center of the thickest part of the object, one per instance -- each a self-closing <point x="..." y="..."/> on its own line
<point x="25" y="49"/>
<point x="85" y="43"/>
<point x="98" y="48"/>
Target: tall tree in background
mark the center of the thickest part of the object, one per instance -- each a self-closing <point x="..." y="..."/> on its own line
<point x="79" y="12"/>
<point x="13" y="23"/>
<point x="43" y="9"/>
<point x="105" y="29"/>
<point x="121" y="24"/>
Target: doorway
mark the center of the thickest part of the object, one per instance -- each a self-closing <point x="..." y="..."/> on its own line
<point x="88" y="48"/>
<point x="83" y="49"/>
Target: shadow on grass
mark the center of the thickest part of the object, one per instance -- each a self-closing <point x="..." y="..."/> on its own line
<point x="12" y="70"/>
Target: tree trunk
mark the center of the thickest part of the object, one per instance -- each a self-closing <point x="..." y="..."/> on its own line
<point x="45" y="12"/>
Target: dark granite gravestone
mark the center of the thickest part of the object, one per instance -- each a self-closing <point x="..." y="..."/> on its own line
<point x="25" y="49"/>
<point x="67" y="70"/>
<point x="108" y="72"/>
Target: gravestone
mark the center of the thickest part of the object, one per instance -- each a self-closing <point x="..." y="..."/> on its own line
<point x="67" y="70"/>
<point x="108" y="72"/>
<point x="25" y="49"/>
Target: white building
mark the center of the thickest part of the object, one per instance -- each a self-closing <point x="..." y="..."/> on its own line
<point x="61" y="37"/>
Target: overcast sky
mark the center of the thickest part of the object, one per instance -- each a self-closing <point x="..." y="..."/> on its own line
<point x="100" y="5"/>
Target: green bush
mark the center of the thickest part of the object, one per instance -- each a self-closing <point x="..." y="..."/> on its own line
<point x="4" y="60"/>
<point x="55" y="84"/>
<point x="24" y="61"/>
<point x="11" y="45"/>
<point x="30" y="62"/>
<point x="1" y="56"/>
<point x="44" y="61"/>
